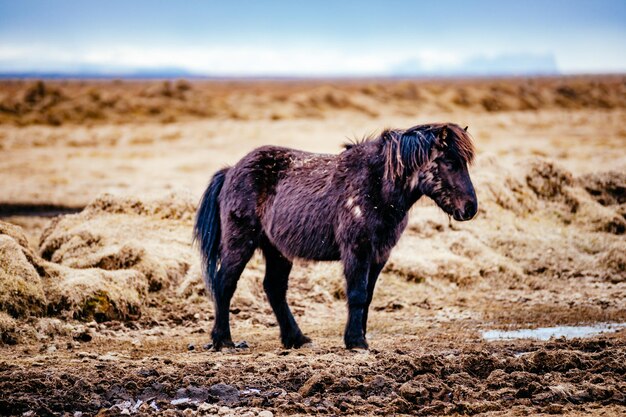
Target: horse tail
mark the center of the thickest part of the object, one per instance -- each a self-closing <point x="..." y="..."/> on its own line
<point x="207" y="230"/>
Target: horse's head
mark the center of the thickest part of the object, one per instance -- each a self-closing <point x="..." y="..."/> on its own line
<point x="432" y="160"/>
<point x="445" y="177"/>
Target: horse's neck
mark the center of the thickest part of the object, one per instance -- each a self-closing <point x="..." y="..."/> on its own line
<point x="401" y="199"/>
<point x="413" y="196"/>
<point x="398" y="198"/>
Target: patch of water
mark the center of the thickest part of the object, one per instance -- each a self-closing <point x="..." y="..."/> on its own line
<point x="547" y="333"/>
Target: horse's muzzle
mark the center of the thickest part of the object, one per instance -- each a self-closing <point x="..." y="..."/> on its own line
<point x="469" y="211"/>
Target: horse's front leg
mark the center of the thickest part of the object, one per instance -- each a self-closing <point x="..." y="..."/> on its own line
<point x="374" y="272"/>
<point x="356" y="271"/>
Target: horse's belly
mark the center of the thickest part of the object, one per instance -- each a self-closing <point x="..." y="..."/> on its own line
<point x="313" y="253"/>
<point x="299" y="232"/>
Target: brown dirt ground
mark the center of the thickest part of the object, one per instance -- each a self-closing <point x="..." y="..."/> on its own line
<point x="98" y="309"/>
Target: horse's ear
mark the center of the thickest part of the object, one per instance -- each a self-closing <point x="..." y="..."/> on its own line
<point x="466" y="128"/>
<point x="444" y="132"/>
<point x="441" y="138"/>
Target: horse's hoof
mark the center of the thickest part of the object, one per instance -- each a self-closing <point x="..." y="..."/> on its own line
<point x="302" y="341"/>
<point x="219" y="345"/>
<point x="360" y="344"/>
<point x="296" y="342"/>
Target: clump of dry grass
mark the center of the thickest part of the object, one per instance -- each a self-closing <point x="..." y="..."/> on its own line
<point x="31" y="286"/>
<point x="95" y="294"/>
<point x="108" y="289"/>
<point x="151" y="236"/>
<point x="21" y="287"/>
<point x="169" y="207"/>
<point x="613" y="263"/>
<point x="608" y="188"/>
<point x="8" y="329"/>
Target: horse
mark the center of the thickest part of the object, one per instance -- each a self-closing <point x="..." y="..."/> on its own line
<point x="350" y="207"/>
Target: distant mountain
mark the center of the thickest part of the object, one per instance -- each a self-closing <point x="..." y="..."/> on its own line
<point x="513" y="64"/>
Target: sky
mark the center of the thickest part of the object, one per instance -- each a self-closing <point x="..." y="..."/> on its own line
<point x="315" y="38"/>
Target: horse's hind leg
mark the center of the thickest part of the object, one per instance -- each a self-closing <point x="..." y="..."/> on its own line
<point x="277" y="269"/>
<point x="233" y="262"/>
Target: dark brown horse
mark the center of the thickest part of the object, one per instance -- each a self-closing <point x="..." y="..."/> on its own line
<point x="350" y="207"/>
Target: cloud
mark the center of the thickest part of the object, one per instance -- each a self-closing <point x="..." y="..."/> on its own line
<point x="238" y="61"/>
<point x="263" y="61"/>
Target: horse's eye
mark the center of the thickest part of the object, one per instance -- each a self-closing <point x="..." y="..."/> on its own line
<point x="451" y="163"/>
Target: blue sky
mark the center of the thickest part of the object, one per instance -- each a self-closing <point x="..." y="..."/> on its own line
<point x="314" y="38"/>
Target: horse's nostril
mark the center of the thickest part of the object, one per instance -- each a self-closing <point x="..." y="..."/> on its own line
<point x="470" y="209"/>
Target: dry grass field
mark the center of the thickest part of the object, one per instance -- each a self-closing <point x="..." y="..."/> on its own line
<point x="102" y="308"/>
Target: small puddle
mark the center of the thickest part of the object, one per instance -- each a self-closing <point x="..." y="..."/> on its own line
<point x="547" y="333"/>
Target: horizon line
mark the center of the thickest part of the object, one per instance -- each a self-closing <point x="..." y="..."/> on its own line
<point x="70" y="76"/>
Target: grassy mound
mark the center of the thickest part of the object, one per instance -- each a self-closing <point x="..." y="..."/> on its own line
<point x="151" y="237"/>
<point x="32" y="286"/>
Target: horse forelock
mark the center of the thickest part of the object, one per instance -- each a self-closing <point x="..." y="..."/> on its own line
<point x="405" y="151"/>
<point x="462" y="143"/>
<point x="457" y="141"/>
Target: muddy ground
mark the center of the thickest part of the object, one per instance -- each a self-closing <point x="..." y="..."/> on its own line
<point x="102" y="309"/>
<point x="422" y="374"/>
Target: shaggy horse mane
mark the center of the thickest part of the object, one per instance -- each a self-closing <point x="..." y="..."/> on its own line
<point x="406" y="150"/>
